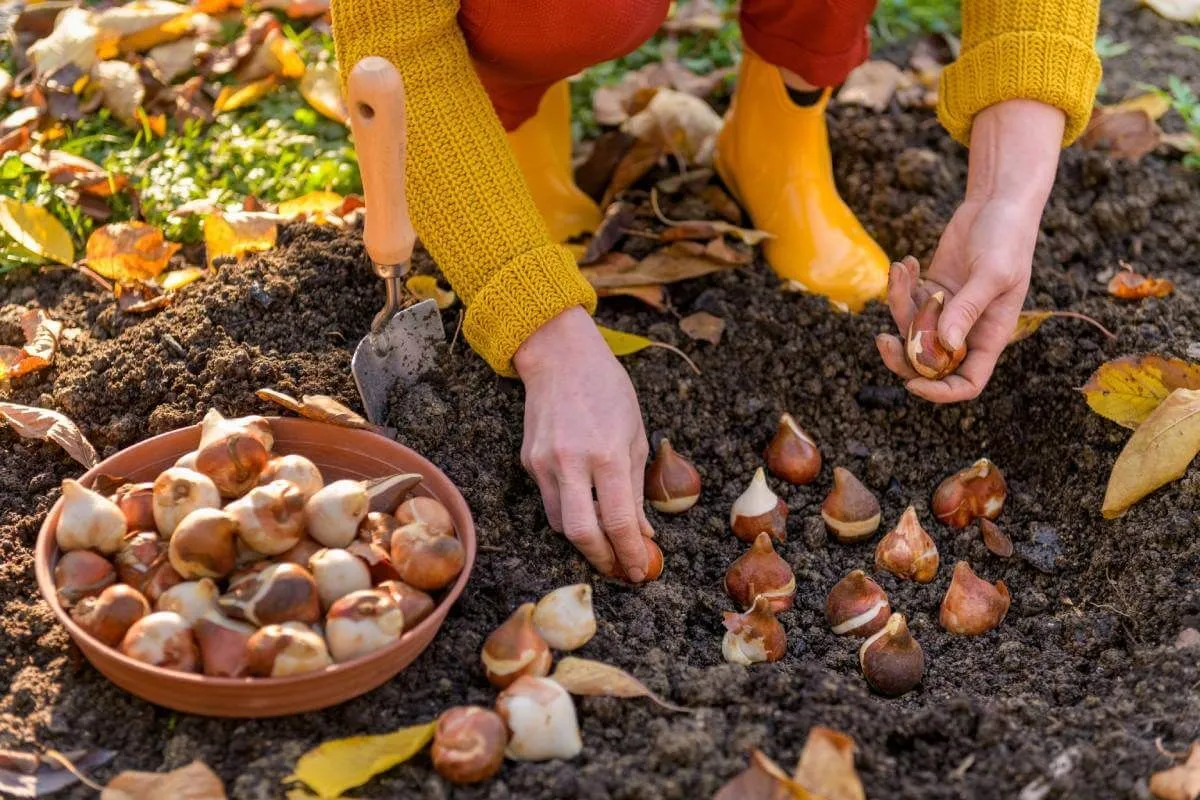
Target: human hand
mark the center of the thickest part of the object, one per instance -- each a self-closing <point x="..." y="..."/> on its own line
<point x="984" y="258"/>
<point x="583" y="429"/>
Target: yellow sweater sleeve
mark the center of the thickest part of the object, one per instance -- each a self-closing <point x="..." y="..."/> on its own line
<point x="467" y="197"/>
<point x="1033" y="49"/>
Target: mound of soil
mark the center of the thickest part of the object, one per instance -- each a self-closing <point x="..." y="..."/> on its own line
<point x="1066" y="699"/>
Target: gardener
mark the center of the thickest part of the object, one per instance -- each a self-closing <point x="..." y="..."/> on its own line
<point x="1022" y="87"/>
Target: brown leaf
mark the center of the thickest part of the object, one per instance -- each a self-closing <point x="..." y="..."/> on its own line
<point x="175" y="58"/>
<point x="1127" y="390"/>
<point x="1159" y="452"/>
<point x="1129" y="285"/>
<point x="141" y="297"/>
<point x="678" y="261"/>
<point x="872" y="85"/>
<point x="1181" y="782"/>
<point x="720" y="250"/>
<point x="995" y="539"/>
<point x="121" y="87"/>
<point x="193" y="782"/>
<point x="697" y="85"/>
<point x="41" y="423"/>
<point x="617" y="218"/>
<point x="703" y="326"/>
<point x="42" y="335"/>
<point x="589" y="678"/>
<point x="678" y="123"/>
<point x="75" y="40"/>
<point x="230" y="57"/>
<point x="1129" y="134"/>
<point x="320" y="408"/>
<point x="596" y="172"/>
<point x="762" y="780"/>
<point x="695" y="16"/>
<point x="654" y="296"/>
<point x="826" y="767"/>
<point x="1029" y="321"/>
<point x="127" y="252"/>
<point x="66" y="169"/>
<point x="637" y="161"/>
<point x="720" y="202"/>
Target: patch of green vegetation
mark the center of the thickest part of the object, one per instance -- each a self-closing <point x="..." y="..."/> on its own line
<point x="1106" y="47"/>
<point x="896" y="20"/>
<point x="1188" y="41"/>
<point x="1184" y="101"/>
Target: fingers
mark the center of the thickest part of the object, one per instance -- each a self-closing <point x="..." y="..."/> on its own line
<point x="621" y="518"/>
<point x="902" y="282"/>
<point x="965" y="307"/>
<point x="580" y="525"/>
<point x="972" y="375"/>
<point x="548" y="486"/>
<point x="891" y="350"/>
<point x="637" y="479"/>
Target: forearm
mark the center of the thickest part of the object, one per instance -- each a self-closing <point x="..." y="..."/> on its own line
<point x="1040" y="50"/>
<point x="1015" y="147"/>
<point x="466" y="195"/>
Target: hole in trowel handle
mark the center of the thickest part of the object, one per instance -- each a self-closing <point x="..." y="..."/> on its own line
<point x="365" y="111"/>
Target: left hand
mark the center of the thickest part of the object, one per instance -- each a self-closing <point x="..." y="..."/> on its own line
<point x="984" y="258"/>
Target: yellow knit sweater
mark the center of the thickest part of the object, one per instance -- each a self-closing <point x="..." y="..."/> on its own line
<point x="469" y="202"/>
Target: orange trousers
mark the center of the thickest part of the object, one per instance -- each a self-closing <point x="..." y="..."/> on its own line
<point x="522" y="47"/>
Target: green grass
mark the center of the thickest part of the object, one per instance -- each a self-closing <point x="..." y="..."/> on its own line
<point x="1184" y="101"/>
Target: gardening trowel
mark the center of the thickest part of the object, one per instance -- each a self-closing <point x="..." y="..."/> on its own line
<point x="402" y="343"/>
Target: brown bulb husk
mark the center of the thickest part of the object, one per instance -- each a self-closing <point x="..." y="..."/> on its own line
<point x="233" y="463"/>
<point x="908" y="551"/>
<point x="857" y="606"/>
<point x="972" y="606"/>
<point x="926" y="352"/>
<point x="758" y="510"/>
<point x="672" y="482"/>
<point x="994" y="539"/>
<point x="204" y="545"/>
<point x="414" y="604"/>
<point x="760" y="571"/>
<point x="82" y="573"/>
<point x="136" y="501"/>
<point x="224" y="645"/>
<point x="468" y="744"/>
<point x="109" y="616"/>
<point x="654" y="563"/>
<point x="428" y="510"/>
<point x="850" y="511"/>
<point x="792" y="454"/>
<point x="977" y="491"/>
<point x="426" y="559"/>
<point x="276" y="594"/>
<point x="754" y="636"/>
<point x="891" y="659"/>
<point x="515" y="649"/>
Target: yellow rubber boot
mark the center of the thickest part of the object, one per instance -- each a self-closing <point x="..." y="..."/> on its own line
<point x="774" y="156"/>
<point x="542" y="146"/>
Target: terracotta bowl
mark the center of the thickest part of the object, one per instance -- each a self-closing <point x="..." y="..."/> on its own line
<point x="340" y="453"/>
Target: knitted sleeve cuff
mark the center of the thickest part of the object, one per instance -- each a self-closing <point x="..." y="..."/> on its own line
<point x="527" y="293"/>
<point x="1058" y="70"/>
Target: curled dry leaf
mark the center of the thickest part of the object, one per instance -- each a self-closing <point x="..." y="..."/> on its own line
<point x="639" y="159"/>
<point x="1158" y="452"/>
<point x="75" y="40"/>
<point x="1029" y="321"/>
<point x="129" y="251"/>
<point x="320" y="208"/>
<point x="340" y="764"/>
<point x="872" y="85"/>
<point x="122" y="90"/>
<point x="41" y="343"/>
<point x="32" y="775"/>
<point x="41" y="423"/>
<point x="77" y="172"/>
<point x="425" y="287"/>
<point x="235" y="233"/>
<point x="589" y="678"/>
<point x="1127" y="390"/>
<point x="193" y="782"/>
<point x="654" y="296"/>
<point x="320" y="408"/>
<point x="321" y="89"/>
<point x="175" y="58"/>
<point x="235" y="97"/>
<point x="826" y="767"/>
<point x="626" y="344"/>
<point x="36" y="230"/>
<point x="1129" y="285"/>
<point x="277" y="56"/>
<point x="678" y="261"/>
<point x="1181" y="782"/>
<point x="679" y="123"/>
<point x="703" y="326"/>
<point x="617" y="219"/>
<point x="1128" y="133"/>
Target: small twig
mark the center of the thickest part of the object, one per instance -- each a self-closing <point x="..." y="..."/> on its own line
<point x="1158" y="745"/>
<point x="677" y="352"/>
<point x="1085" y="318"/>
<point x="173" y="345"/>
<point x="65" y="763"/>
<point x="663" y="218"/>
<point x="457" y="329"/>
<point x="643" y="234"/>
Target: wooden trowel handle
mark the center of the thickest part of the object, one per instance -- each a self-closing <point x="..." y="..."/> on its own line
<point x="377" y="117"/>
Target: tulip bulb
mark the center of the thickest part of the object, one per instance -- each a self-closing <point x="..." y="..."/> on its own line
<point x="278" y="593"/>
<point x="654" y="563"/>
<point x="926" y="352"/>
<point x="857" y="606"/>
<point x="850" y="511"/>
<point x="162" y="639"/>
<point x="190" y="600"/>
<point x="270" y="519"/>
<point x="414" y="604"/>
<point x="994" y="539"/>
<point x="468" y="744"/>
<point x="296" y="470"/>
<point x="109" y="616"/>
<point x="143" y="563"/>
<point x="204" y="545"/>
<point x="891" y="660"/>
<point x="754" y="636"/>
<point x="972" y="606"/>
<point x="672" y="483"/>
<point x="759" y="510"/>
<point x="82" y="573"/>
<point x="233" y="462"/>
<point x="300" y="553"/>
<point x="541" y="721"/>
<point x="216" y="426"/>
<point x="177" y="493"/>
<point x="224" y="645"/>
<point x="361" y="623"/>
<point x="136" y="501"/>
<point x="427" y="510"/>
<point x="564" y="618"/>
<point x="276" y="651"/>
<point x="761" y="572"/>
<point x="334" y="513"/>
<point x="426" y="559"/>
<point x="187" y="460"/>
<point x="377" y="528"/>
<point x="908" y="551"/>
<point x="378" y="560"/>
<point x="515" y="649"/>
<point x="978" y="491"/>
<point x="88" y="520"/>
<point x="792" y="454"/>
<point x="338" y="573"/>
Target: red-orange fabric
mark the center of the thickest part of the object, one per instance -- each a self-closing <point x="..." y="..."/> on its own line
<point x="522" y="47"/>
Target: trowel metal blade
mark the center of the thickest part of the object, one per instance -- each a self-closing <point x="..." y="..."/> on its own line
<point x="403" y="350"/>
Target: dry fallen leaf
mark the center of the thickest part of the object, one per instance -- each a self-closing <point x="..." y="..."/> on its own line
<point x="340" y="764"/>
<point x="617" y="219"/>
<point x="654" y="295"/>
<point x="1181" y="782"/>
<point x="626" y="344"/>
<point x="75" y="40"/>
<point x="319" y="207"/>
<point x="321" y="89"/>
<point x="129" y="251"/>
<point x="33" y="775"/>
<point x="277" y="55"/>
<point x="321" y="408"/>
<point x="193" y="782"/>
<point x="1178" y="10"/>
<point x="1129" y="133"/>
<point x="1029" y="321"/>
<point x="175" y="58"/>
<point x="703" y="326"/>
<point x="77" y="172"/>
<point x="36" y="230"/>
<point x="1129" y="285"/>
<point x="826" y="767"/>
<point x="677" y="261"/>
<point x="589" y="678"/>
<point x="639" y="159"/>
<point x="425" y="287"/>
<point x="235" y="233"/>
<point x="762" y="780"/>
<point x="121" y="87"/>
<point x="41" y="343"/>
<point x="679" y="123"/>
<point x="41" y="423"/>
<point x="872" y="85"/>
<point x="1127" y="390"/>
<point x="176" y="279"/>
<point x="232" y="98"/>
<point x="1159" y="452"/>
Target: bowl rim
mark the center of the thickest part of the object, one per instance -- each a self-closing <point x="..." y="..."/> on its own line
<point x="46" y="553"/>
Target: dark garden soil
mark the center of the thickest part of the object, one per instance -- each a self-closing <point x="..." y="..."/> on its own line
<point x="1066" y="699"/>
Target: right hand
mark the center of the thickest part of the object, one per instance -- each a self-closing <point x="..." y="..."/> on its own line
<point x="583" y="429"/>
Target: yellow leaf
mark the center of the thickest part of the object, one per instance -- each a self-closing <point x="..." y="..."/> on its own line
<point x="425" y="287"/>
<point x="321" y="88"/>
<point x="236" y="233"/>
<point x="589" y="678"/>
<point x="35" y="229"/>
<point x="176" y="279"/>
<point x="1029" y="321"/>
<point x="1158" y="452"/>
<point x="288" y="62"/>
<point x="1154" y="104"/>
<point x="317" y="206"/>
<point x="340" y="764"/>
<point x="235" y="97"/>
<point x="1178" y="10"/>
<point x="157" y="35"/>
<point x="1127" y="390"/>
<point x="129" y="251"/>
<point x="826" y="767"/>
<point x="625" y="344"/>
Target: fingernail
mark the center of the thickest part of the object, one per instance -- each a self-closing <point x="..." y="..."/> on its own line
<point x="636" y="575"/>
<point x="954" y="337"/>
